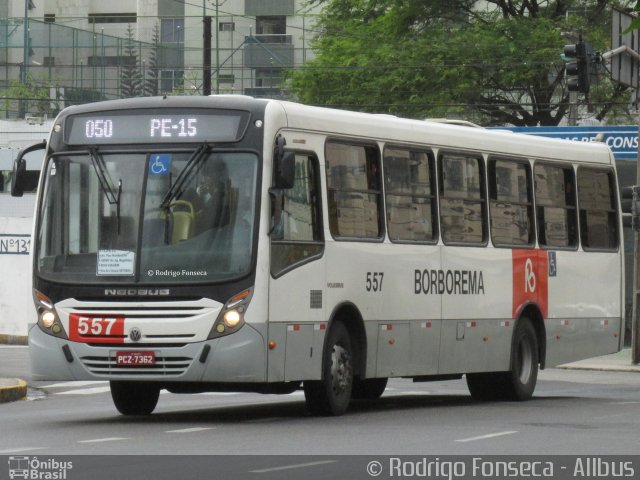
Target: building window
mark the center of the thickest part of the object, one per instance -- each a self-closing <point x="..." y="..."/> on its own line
<point x="113" y="17"/>
<point x="172" y="30"/>
<point x="268" y="78"/>
<point x="170" y="80"/>
<point x="49" y="18"/>
<point x="112" y="61"/>
<point x="276" y="25"/>
<point x="226" y="26"/>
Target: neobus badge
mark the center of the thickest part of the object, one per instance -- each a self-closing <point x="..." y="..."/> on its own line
<point x="140" y="292"/>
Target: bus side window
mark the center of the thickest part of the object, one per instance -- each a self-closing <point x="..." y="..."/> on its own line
<point x="598" y="218"/>
<point x="462" y="199"/>
<point x="410" y="196"/>
<point x="354" y="191"/>
<point x="511" y="203"/>
<point x="556" y="206"/>
<point x="298" y="237"/>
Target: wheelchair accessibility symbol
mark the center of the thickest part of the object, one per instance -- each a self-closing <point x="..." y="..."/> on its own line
<point x="159" y="164"/>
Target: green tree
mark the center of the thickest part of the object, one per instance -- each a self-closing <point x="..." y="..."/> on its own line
<point x="495" y="64"/>
<point x="151" y="71"/>
<point x="130" y="76"/>
<point x="22" y="98"/>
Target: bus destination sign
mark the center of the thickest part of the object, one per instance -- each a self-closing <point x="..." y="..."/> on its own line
<point x="166" y="126"/>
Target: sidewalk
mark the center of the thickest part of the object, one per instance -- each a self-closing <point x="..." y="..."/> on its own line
<point x="15" y="389"/>
<point x="616" y="362"/>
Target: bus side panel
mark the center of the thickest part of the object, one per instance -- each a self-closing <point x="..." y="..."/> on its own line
<point x="296" y="313"/>
<point x="585" y="311"/>
<point x="400" y="311"/>
<point x="476" y="309"/>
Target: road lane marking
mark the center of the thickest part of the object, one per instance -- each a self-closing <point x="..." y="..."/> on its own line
<point x="20" y="450"/>
<point x="85" y="391"/>
<point x="75" y="384"/>
<point x="485" y="437"/>
<point x="190" y="430"/>
<point x="100" y="440"/>
<point x="292" y="467"/>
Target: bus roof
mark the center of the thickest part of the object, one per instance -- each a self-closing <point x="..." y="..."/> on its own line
<point x="441" y="135"/>
<point x="383" y="127"/>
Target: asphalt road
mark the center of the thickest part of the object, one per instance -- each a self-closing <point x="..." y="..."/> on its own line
<point x="573" y="412"/>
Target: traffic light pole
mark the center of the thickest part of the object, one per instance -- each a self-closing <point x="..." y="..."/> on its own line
<point x="573" y="109"/>
<point x="635" y="323"/>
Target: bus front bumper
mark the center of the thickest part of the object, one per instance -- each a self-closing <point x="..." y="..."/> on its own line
<point x="236" y="358"/>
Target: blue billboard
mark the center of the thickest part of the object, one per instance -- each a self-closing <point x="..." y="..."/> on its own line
<point x="622" y="140"/>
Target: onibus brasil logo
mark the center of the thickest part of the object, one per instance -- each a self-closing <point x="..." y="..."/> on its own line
<point x="36" y="469"/>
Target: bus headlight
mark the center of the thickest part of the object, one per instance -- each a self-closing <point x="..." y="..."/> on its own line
<point x="48" y="319"/>
<point x="231" y="317"/>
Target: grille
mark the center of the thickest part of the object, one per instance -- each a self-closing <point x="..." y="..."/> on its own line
<point x="106" y="365"/>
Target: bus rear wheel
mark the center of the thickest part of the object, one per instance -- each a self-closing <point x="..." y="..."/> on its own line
<point x="134" y="398"/>
<point x="519" y="382"/>
<point x="332" y="394"/>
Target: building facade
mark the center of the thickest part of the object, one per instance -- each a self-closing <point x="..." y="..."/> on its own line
<point x="74" y="51"/>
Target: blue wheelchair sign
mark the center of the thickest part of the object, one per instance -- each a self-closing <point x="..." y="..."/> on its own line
<point x="160" y="164"/>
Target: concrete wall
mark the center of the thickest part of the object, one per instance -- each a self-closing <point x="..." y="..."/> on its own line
<point x="16" y="304"/>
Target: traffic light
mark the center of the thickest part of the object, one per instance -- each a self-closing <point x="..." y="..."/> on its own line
<point x="577" y="67"/>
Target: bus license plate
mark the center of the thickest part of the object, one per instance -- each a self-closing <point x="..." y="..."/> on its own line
<point x="135" y="359"/>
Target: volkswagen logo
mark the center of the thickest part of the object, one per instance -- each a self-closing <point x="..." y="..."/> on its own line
<point x="135" y="334"/>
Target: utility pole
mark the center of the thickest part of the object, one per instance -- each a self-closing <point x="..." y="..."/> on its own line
<point x="25" y="48"/>
<point x="217" y="49"/>
<point x="206" y="56"/>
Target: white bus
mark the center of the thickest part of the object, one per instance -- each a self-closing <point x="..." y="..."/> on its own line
<point x="229" y="243"/>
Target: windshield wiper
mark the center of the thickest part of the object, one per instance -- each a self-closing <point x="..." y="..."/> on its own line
<point x="178" y="187"/>
<point x="106" y="183"/>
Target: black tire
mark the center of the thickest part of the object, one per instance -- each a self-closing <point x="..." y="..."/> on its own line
<point x="134" y="398"/>
<point x="369" y="389"/>
<point x="332" y="394"/>
<point x="519" y="382"/>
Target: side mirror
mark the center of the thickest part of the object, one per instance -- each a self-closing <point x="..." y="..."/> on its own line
<point x="18" y="176"/>
<point x="286" y="171"/>
<point x="20" y="168"/>
<point x="284" y="165"/>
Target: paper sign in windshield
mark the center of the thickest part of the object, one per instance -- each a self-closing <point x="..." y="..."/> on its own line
<point x="115" y="262"/>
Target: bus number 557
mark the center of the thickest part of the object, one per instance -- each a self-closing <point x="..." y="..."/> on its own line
<point x="374" y="281"/>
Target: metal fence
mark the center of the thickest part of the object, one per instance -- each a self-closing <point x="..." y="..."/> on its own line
<point x="61" y="65"/>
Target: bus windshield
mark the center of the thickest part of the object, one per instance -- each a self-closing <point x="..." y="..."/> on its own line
<point x="161" y="217"/>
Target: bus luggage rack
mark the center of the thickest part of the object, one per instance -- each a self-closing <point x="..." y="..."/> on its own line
<point x="106" y="365"/>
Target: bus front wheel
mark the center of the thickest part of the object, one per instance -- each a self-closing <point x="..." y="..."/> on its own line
<point x="134" y="398"/>
<point x="368" y="389"/>
<point x="332" y="394"/>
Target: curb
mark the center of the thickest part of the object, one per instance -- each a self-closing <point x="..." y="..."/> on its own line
<point x="602" y="368"/>
<point x="11" y="393"/>
<point x="13" y="340"/>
